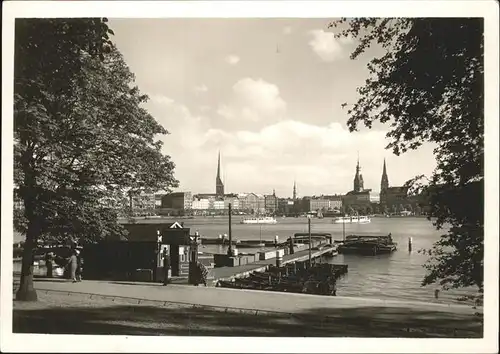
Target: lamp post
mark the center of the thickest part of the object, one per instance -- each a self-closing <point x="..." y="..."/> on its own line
<point x="230" y="250"/>
<point x="309" y="230"/>
<point x="159" y="241"/>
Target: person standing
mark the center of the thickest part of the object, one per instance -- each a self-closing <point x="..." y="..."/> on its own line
<point x="79" y="266"/>
<point x="73" y="264"/>
<point x="202" y="273"/>
<point x="48" y="263"/>
<point x="166" y="266"/>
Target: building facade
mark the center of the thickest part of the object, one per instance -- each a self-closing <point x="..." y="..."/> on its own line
<point x="271" y="203"/>
<point x="177" y="201"/>
<point x="335" y="201"/>
<point x="285" y="206"/>
<point x="252" y="203"/>
<point x="394" y="199"/>
<point x="143" y="202"/>
<point x="200" y="204"/>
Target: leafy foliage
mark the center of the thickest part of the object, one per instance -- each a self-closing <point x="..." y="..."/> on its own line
<point x="428" y="85"/>
<point x="82" y="138"/>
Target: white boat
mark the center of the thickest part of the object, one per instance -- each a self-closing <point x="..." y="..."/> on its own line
<point x="342" y="220"/>
<point x="352" y="219"/>
<point x="259" y="220"/>
<point x="364" y="219"/>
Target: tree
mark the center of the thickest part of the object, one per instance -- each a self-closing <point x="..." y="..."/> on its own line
<point x="428" y="85"/>
<point x="81" y="136"/>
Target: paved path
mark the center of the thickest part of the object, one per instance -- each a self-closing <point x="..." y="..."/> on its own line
<point x="235" y="298"/>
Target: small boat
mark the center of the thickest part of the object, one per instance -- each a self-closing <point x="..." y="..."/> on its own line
<point x="352" y="219"/>
<point x="342" y="220"/>
<point x="259" y="220"/>
<point x="364" y="219"/>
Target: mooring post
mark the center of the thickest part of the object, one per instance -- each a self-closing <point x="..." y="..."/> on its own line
<point x="410" y="241"/>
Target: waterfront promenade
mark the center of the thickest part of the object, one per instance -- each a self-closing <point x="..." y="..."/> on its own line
<point x="246" y="309"/>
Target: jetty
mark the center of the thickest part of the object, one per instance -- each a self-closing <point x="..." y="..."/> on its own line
<point x="297" y="277"/>
<point x="229" y="273"/>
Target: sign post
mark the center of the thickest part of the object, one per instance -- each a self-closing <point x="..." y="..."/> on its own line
<point x="193" y="257"/>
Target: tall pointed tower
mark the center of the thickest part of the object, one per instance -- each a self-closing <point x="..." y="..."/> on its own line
<point x="294" y="191"/>
<point x="358" y="179"/>
<point x="384" y="182"/>
<point x="219" y="186"/>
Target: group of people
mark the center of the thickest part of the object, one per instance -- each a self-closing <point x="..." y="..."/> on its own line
<point x="74" y="265"/>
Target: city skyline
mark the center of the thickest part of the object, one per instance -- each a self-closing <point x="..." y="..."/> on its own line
<point x="224" y="93"/>
<point x="357" y="185"/>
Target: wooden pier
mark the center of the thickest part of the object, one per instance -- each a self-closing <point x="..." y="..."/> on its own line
<point x="229" y="273"/>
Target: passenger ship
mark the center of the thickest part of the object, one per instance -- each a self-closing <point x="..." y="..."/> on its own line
<point x="352" y="219"/>
<point x="259" y="220"/>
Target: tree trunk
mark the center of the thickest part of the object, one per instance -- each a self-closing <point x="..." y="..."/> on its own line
<point x="26" y="290"/>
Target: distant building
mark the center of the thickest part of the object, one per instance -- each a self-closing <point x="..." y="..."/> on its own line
<point x="319" y="204"/>
<point x="200" y="204"/>
<point x="218" y="205"/>
<point x="335" y="201"/>
<point x="177" y="201"/>
<point x="252" y="203"/>
<point x="143" y="202"/>
<point x="233" y="199"/>
<point x="395" y="196"/>
<point x="271" y="203"/>
<point x="393" y="199"/>
<point x="285" y="206"/>
<point x="359" y="199"/>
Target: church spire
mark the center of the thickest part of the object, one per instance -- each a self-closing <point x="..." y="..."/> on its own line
<point x="358" y="179"/>
<point x="294" y="190"/>
<point x="219" y="185"/>
<point x="384" y="182"/>
<point x="218" y="167"/>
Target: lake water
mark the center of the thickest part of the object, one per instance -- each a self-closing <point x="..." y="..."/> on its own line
<point x="391" y="276"/>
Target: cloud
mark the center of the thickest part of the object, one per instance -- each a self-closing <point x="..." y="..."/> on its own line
<point x="321" y="158"/>
<point x="326" y="46"/>
<point x="253" y="100"/>
<point x="287" y="30"/>
<point x="201" y="88"/>
<point x="232" y="59"/>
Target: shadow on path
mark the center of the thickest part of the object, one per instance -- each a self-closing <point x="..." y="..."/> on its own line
<point x="186" y="320"/>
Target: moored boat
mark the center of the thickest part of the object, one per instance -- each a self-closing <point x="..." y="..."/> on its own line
<point x="352" y="219"/>
<point x="259" y="220"/>
<point x="367" y="245"/>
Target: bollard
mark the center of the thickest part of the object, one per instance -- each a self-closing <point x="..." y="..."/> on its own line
<point x="278" y="259"/>
<point x="410" y="240"/>
<point x="436" y="293"/>
<point x="276" y="240"/>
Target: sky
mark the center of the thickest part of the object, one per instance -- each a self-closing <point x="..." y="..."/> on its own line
<point x="267" y="94"/>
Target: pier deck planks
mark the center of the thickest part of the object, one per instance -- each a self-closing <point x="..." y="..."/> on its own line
<point x="226" y="273"/>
